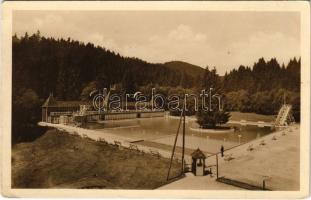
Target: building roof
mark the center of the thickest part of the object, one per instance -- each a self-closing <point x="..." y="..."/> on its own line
<point x="198" y="154"/>
<point x="49" y="101"/>
<point x="52" y="102"/>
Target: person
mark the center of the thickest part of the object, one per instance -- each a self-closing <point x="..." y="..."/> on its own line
<point x="222" y="150"/>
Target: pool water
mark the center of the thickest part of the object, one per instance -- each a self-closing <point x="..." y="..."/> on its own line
<point x="162" y="131"/>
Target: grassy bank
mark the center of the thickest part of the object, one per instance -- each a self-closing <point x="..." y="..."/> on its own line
<point x="60" y="160"/>
<point x="251" y="117"/>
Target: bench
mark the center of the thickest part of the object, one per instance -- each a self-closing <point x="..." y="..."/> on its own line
<point x="250" y="147"/>
<point x="262" y="142"/>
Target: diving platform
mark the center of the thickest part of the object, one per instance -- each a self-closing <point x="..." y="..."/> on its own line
<point x="284" y="118"/>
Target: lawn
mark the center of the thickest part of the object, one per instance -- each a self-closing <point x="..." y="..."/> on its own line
<point x="60" y="160"/>
<point x="237" y="116"/>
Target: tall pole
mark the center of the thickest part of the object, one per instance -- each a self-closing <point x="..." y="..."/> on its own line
<point x="173" y="151"/>
<point x="183" y="142"/>
<point x="217" y="165"/>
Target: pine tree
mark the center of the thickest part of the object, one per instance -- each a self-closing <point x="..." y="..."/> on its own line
<point x="213" y="116"/>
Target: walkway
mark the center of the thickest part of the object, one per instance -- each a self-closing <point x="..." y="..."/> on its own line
<point x="274" y="157"/>
<point x="112" y="139"/>
<point x="191" y="182"/>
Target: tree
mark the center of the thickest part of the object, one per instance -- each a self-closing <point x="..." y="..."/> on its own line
<point x="90" y="87"/>
<point x="190" y="101"/>
<point x="211" y="117"/>
<point x="295" y="101"/>
<point x="26" y="113"/>
<point x="239" y="101"/>
<point x="42" y="65"/>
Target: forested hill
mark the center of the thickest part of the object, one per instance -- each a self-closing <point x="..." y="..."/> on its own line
<point x="70" y="68"/>
<point x="264" y="76"/>
<point x="192" y="70"/>
<point x="65" y="67"/>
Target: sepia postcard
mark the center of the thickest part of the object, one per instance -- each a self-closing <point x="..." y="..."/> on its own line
<point x="155" y="99"/>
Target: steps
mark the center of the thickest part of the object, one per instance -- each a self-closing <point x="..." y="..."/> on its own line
<point x="284" y="115"/>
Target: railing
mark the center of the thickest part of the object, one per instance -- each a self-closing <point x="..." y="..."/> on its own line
<point x="95" y="112"/>
<point x="61" y="113"/>
<point x="240" y="184"/>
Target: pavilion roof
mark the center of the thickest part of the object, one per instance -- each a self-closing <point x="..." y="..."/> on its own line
<point x="198" y="154"/>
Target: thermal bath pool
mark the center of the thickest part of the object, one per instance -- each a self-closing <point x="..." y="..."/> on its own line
<point x="160" y="132"/>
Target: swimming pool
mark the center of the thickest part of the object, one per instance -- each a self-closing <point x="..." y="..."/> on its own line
<point x="162" y="131"/>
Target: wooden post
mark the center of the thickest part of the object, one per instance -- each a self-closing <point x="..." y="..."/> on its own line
<point x="183" y="142"/>
<point x="46" y="114"/>
<point x="173" y="151"/>
<point x="217" y="165"/>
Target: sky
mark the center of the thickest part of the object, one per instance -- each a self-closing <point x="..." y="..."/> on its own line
<point x="224" y="39"/>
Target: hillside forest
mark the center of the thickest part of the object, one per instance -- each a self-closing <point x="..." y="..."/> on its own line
<point x="69" y="68"/>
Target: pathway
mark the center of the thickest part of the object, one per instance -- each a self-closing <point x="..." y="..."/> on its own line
<point x="274" y="157"/>
<point x="112" y="138"/>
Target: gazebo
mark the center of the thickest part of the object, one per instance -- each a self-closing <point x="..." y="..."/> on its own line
<point x="198" y="162"/>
